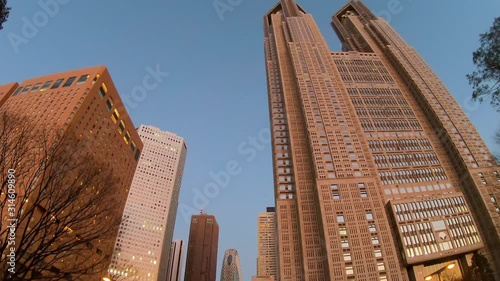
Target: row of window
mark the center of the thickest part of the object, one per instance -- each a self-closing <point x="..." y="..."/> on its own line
<point x="390" y="125"/>
<point x="402" y="145"/>
<point x="408" y="176"/>
<point x="44" y="86"/>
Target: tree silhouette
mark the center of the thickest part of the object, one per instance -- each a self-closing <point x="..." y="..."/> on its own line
<point x="480" y="269"/>
<point x="61" y="201"/>
<point x="486" y="79"/>
<point x="4" y="12"/>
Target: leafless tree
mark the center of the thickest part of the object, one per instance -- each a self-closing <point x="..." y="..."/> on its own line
<point x="57" y="205"/>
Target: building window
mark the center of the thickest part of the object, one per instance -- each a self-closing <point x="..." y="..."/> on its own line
<point x="372" y="228"/>
<point x="36" y="87"/>
<point x="347" y="257"/>
<point x="27" y="88"/>
<point x="137" y="154"/>
<point x="364" y="194"/>
<point x="102" y="92"/>
<point x="378" y="253"/>
<point x="127" y="137"/>
<point x="375" y="240"/>
<point x="17" y="91"/>
<point x="45" y="86"/>
<point x="69" y="81"/>
<point x="345" y="243"/>
<point x="343" y="231"/>
<point x="57" y="83"/>
<point x="82" y="79"/>
<point x="380" y="266"/>
<point x="369" y="216"/>
<point x="132" y="146"/>
<point x="492" y="198"/>
<point x="115" y="116"/>
<point x="336" y="196"/>
<point x="340" y="219"/>
<point x="109" y="105"/>
<point x="349" y="270"/>
<point x="121" y="127"/>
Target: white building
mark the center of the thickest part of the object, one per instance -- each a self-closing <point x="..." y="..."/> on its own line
<point x="175" y="261"/>
<point x="143" y="243"/>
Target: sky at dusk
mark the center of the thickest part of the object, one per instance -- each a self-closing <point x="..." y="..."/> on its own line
<point x="215" y="93"/>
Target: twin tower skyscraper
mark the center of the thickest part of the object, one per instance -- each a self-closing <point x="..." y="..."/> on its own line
<point x="379" y="174"/>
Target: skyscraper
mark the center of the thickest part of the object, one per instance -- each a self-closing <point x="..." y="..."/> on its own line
<point x="82" y="105"/>
<point x="143" y="243"/>
<point x="266" y="243"/>
<point x="175" y="261"/>
<point x="231" y="266"/>
<point x="201" y="261"/>
<point x="375" y="164"/>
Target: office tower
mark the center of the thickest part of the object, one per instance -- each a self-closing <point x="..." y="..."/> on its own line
<point x="266" y="243"/>
<point x="81" y="105"/>
<point x="262" y="278"/>
<point x="376" y="167"/>
<point x="231" y="266"/>
<point x="175" y="261"/>
<point x="143" y="243"/>
<point x="201" y="261"/>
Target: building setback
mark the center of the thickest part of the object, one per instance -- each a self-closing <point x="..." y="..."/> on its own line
<point x="266" y="243"/>
<point x="143" y="243"/>
<point x="82" y="105"/>
<point x="376" y="166"/>
<point x="201" y="261"/>
<point x="231" y="266"/>
<point x="175" y="261"/>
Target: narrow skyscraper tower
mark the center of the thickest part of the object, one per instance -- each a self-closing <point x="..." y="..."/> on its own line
<point x="266" y="244"/>
<point x="231" y="266"/>
<point x="201" y="261"/>
<point x="375" y="164"/>
<point x="176" y="261"/>
<point x="143" y="243"/>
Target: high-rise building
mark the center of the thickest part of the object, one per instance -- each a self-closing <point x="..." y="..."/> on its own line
<point x="82" y="105"/>
<point x="143" y="243"/>
<point x="175" y="261"/>
<point x="201" y="261"/>
<point x="231" y="266"/>
<point x="266" y="243"/>
<point x="262" y="278"/>
<point x="376" y="167"/>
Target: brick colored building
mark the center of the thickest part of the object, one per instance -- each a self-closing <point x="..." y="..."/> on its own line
<point x="201" y="261"/>
<point x="379" y="174"/>
<point x="83" y="105"/>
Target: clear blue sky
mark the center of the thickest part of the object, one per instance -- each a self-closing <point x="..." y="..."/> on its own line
<point x="216" y="96"/>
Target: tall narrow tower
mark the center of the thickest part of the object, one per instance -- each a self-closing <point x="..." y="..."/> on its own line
<point x="375" y="164"/>
<point x="231" y="266"/>
<point x="175" y="261"/>
<point x="266" y="244"/>
<point x="201" y="261"/>
<point x="143" y="243"/>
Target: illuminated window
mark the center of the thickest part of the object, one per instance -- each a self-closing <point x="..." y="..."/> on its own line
<point x="347" y="257"/>
<point x="127" y="137"/>
<point x="349" y="270"/>
<point x="340" y="219"/>
<point x="121" y="127"/>
<point x="345" y="243"/>
<point x="369" y="216"/>
<point x="343" y="231"/>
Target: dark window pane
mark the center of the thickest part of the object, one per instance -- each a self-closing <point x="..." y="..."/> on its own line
<point x="69" y="81"/>
<point x="46" y="85"/>
<point x="102" y="93"/>
<point x="27" y="88"/>
<point x="17" y="91"/>
<point x="36" y="87"/>
<point x="109" y="105"/>
<point x="82" y="79"/>
<point x="57" y="84"/>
